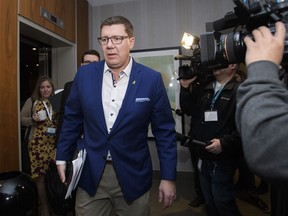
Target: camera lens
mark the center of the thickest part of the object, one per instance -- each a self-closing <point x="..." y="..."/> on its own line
<point x="232" y="47"/>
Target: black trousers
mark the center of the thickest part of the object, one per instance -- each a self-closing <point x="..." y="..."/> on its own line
<point x="194" y="160"/>
<point x="279" y="199"/>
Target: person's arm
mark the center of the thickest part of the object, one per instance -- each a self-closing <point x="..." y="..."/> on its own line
<point x="167" y="192"/>
<point x="71" y="129"/>
<point x="163" y="129"/>
<point x="262" y="106"/>
<point x="25" y="114"/>
<point x="186" y="95"/>
<point x="65" y="94"/>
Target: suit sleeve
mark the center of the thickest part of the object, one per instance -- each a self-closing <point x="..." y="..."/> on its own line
<point x="163" y="128"/>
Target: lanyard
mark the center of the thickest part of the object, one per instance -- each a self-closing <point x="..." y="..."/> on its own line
<point x="216" y="95"/>
<point x="49" y="111"/>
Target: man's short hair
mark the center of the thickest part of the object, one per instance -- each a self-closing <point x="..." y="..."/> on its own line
<point x="114" y="20"/>
<point x="90" y="52"/>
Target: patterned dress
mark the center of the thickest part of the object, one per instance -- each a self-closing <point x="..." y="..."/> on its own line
<point x="42" y="145"/>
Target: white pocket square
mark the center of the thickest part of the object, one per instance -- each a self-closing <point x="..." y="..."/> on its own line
<point x="142" y="100"/>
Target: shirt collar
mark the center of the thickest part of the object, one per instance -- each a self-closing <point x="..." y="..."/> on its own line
<point x="126" y="71"/>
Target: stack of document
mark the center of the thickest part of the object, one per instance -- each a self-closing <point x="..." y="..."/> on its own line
<point x="77" y="166"/>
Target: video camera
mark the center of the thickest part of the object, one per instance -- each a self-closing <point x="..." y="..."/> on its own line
<point x="215" y="50"/>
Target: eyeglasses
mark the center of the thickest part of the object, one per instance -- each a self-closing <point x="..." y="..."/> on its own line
<point x="88" y="62"/>
<point x="114" y="39"/>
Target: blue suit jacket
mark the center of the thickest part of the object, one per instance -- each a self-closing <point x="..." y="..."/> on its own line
<point x="145" y="102"/>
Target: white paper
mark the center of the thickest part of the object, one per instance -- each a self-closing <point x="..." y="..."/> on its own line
<point x="58" y="91"/>
<point x="77" y="166"/>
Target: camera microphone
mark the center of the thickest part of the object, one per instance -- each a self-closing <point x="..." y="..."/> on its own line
<point x="182" y="57"/>
<point x="181" y="137"/>
<point x="177" y="112"/>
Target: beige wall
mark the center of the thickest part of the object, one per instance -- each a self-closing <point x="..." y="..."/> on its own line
<point x="160" y="23"/>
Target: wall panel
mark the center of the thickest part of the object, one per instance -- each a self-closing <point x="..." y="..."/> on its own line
<point x="9" y="151"/>
<point x="82" y="29"/>
<point x="62" y="9"/>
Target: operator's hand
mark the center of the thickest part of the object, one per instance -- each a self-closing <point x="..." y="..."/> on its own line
<point x="167" y="193"/>
<point x="61" y="172"/>
<point x="215" y="146"/>
<point x="266" y="46"/>
<point x="187" y="82"/>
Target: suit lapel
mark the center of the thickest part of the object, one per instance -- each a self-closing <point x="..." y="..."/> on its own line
<point x="97" y="91"/>
<point x="129" y="99"/>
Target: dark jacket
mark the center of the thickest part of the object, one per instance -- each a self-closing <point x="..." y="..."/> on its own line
<point x="65" y="94"/>
<point x="198" y="101"/>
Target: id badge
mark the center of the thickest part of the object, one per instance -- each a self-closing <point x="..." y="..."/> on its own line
<point x="211" y="116"/>
<point x="51" y="130"/>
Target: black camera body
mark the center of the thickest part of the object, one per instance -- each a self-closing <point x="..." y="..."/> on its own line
<point x="218" y="50"/>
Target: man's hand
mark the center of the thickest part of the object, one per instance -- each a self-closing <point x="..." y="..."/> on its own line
<point x="215" y="147"/>
<point x="187" y="82"/>
<point x="167" y="193"/>
<point x="61" y="172"/>
<point x="266" y="46"/>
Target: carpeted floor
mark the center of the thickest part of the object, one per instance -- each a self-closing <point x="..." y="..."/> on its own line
<point x="185" y="194"/>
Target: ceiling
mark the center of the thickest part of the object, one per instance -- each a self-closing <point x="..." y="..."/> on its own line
<point x="95" y="3"/>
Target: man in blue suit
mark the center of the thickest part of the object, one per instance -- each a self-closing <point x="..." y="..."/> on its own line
<point x="115" y="100"/>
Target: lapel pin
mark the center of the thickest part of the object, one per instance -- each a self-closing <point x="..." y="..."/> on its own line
<point x="134" y="82"/>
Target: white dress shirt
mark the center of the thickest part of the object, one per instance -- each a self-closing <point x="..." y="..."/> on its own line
<point x="113" y="93"/>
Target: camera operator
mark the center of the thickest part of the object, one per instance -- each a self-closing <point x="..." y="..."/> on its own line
<point x="262" y="113"/>
<point x="262" y="106"/>
<point x="212" y="108"/>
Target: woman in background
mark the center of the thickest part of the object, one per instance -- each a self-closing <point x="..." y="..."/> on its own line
<point x="41" y="140"/>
